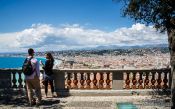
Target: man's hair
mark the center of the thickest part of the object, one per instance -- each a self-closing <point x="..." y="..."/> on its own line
<point x="30" y="51"/>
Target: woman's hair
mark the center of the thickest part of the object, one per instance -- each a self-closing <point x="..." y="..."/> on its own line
<point x="50" y="56"/>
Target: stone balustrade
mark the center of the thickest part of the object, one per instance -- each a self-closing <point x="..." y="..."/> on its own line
<point x="112" y="79"/>
<point x="93" y="79"/>
<point x="14" y="77"/>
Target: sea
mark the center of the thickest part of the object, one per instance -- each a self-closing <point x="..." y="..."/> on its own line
<point x="15" y="62"/>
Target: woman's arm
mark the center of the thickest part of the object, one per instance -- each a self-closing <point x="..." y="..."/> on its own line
<point x="47" y="65"/>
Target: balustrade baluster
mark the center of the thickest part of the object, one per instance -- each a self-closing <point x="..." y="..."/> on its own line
<point x="91" y="79"/>
<point x="95" y="81"/>
<point x="14" y="80"/>
<point x="140" y="80"/>
<point x="101" y="81"/>
<point x="165" y="80"/>
<point x="88" y="81"/>
<point x="82" y="80"/>
<point x="146" y="81"/>
<point x="134" y="81"/>
<point x="127" y="81"/>
<point x="20" y="80"/>
<point x="23" y="80"/>
<point x="69" y="80"/>
<point x="153" y="81"/>
<point x="75" y="81"/>
<point x="108" y="81"/>
<point x="111" y="78"/>
<point x="65" y="77"/>
<point x="159" y="80"/>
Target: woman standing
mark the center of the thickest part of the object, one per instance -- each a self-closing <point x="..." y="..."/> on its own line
<point x="48" y="72"/>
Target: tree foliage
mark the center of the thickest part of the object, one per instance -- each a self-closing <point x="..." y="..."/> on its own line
<point x="160" y="13"/>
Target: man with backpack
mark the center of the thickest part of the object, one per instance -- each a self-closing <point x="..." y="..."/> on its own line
<point x="32" y="73"/>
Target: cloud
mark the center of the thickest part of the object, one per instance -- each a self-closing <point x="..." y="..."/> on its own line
<point x="47" y="37"/>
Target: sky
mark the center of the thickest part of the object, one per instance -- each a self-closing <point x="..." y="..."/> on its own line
<point x="69" y="24"/>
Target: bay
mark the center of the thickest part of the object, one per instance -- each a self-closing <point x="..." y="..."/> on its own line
<point x="17" y="62"/>
<point x="14" y="62"/>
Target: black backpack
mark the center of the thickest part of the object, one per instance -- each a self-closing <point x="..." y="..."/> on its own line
<point x="27" y="67"/>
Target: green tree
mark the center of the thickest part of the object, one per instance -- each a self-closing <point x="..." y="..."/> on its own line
<point x="161" y="14"/>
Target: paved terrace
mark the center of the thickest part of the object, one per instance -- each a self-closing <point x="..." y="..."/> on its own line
<point x="17" y="100"/>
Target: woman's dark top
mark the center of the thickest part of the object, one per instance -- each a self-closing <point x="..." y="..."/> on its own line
<point x="48" y="67"/>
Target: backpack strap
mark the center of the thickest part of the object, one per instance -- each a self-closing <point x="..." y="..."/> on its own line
<point x="32" y="66"/>
<point x="30" y="58"/>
